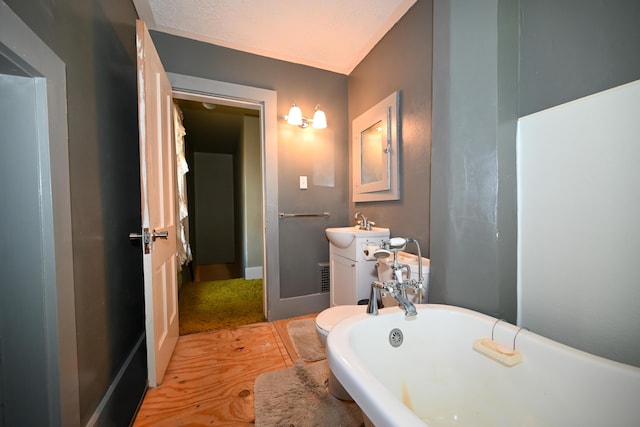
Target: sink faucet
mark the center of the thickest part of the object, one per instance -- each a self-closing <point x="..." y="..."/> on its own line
<point x="364" y="223"/>
<point x="394" y="289"/>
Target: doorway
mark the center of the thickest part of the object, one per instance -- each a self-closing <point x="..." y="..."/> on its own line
<point x="265" y="100"/>
<point x="222" y="146"/>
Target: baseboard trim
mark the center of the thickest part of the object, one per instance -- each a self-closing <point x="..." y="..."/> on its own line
<point x="121" y="400"/>
<point x="253" y="273"/>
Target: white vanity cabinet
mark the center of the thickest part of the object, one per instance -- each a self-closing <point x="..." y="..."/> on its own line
<point x="352" y="269"/>
<point x="342" y="271"/>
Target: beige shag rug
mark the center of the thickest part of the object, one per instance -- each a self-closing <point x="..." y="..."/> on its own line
<point x="305" y="340"/>
<point x="298" y="396"/>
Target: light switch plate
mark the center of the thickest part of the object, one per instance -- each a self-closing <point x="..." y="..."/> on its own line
<point x="303" y="182"/>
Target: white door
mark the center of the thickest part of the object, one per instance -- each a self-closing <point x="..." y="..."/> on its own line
<point x="158" y="188"/>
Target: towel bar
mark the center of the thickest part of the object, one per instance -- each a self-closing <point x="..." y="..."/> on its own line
<point x="292" y="215"/>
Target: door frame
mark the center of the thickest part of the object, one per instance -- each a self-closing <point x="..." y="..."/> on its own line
<point x="265" y="101"/>
<point x="24" y="49"/>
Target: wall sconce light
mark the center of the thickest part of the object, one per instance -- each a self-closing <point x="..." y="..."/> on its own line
<point x="296" y="118"/>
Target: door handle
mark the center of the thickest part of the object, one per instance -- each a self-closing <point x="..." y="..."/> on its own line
<point x="148" y="237"/>
<point x="159" y="235"/>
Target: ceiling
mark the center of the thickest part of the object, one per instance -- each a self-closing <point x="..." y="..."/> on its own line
<point x="333" y="35"/>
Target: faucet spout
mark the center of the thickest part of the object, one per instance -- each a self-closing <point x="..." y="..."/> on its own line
<point x="393" y="289"/>
<point x="364" y="222"/>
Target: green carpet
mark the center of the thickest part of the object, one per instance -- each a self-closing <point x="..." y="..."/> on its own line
<point x="208" y="306"/>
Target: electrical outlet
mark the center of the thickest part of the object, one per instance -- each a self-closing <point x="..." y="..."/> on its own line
<point x="303" y="182"/>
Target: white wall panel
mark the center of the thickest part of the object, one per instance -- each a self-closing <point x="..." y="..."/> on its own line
<point x="579" y="223"/>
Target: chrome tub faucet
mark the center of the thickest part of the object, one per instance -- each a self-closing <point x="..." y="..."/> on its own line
<point x="394" y="289"/>
<point x="397" y="286"/>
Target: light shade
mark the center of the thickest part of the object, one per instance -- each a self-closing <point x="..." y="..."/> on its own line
<point x="295" y="115"/>
<point x="319" y="119"/>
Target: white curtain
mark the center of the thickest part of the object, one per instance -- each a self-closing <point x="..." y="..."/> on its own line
<point x="184" y="249"/>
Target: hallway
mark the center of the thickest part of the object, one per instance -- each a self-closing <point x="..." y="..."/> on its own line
<point x="208" y="272"/>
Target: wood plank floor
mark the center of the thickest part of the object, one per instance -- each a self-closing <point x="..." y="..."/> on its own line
<point x="210" y="377"/>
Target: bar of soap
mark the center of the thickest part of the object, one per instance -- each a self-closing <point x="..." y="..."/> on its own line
<point x="496" y="351"/>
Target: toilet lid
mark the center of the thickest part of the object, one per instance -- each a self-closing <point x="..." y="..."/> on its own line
<point x="328" y="318"/>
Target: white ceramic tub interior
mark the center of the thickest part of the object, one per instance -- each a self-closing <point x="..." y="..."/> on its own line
<point x="436" y="378"/>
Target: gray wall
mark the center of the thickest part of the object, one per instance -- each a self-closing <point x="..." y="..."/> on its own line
<point x="251" y="194"/>
<point x="319" y="154"/>
<point x="565" y="50"/>
<point x="214" y="214"/>
<point x="96" y="41"/>
<point x="401" y="61"/>
<point x="573" y="48"/>
<point x="473" y="198"/>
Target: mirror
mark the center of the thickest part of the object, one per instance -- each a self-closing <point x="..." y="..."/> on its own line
<point x="373" y="147"/>
<point x="375" y="152"/>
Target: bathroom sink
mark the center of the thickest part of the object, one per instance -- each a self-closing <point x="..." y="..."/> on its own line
<point x="342" y="237"/>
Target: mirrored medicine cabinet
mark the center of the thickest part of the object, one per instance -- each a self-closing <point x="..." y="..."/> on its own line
<point x="374" y="152"/>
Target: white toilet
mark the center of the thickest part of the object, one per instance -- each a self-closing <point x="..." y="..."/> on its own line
<point x="325" y="321"/>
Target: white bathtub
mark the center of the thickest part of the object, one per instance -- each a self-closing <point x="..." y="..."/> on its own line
<point x="436" y="378"/>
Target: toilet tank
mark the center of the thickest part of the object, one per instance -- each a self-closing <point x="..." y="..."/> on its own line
<point x="385" y="273"/>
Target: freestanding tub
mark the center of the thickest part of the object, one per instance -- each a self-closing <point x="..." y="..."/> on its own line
<point x="437" y="378"/>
